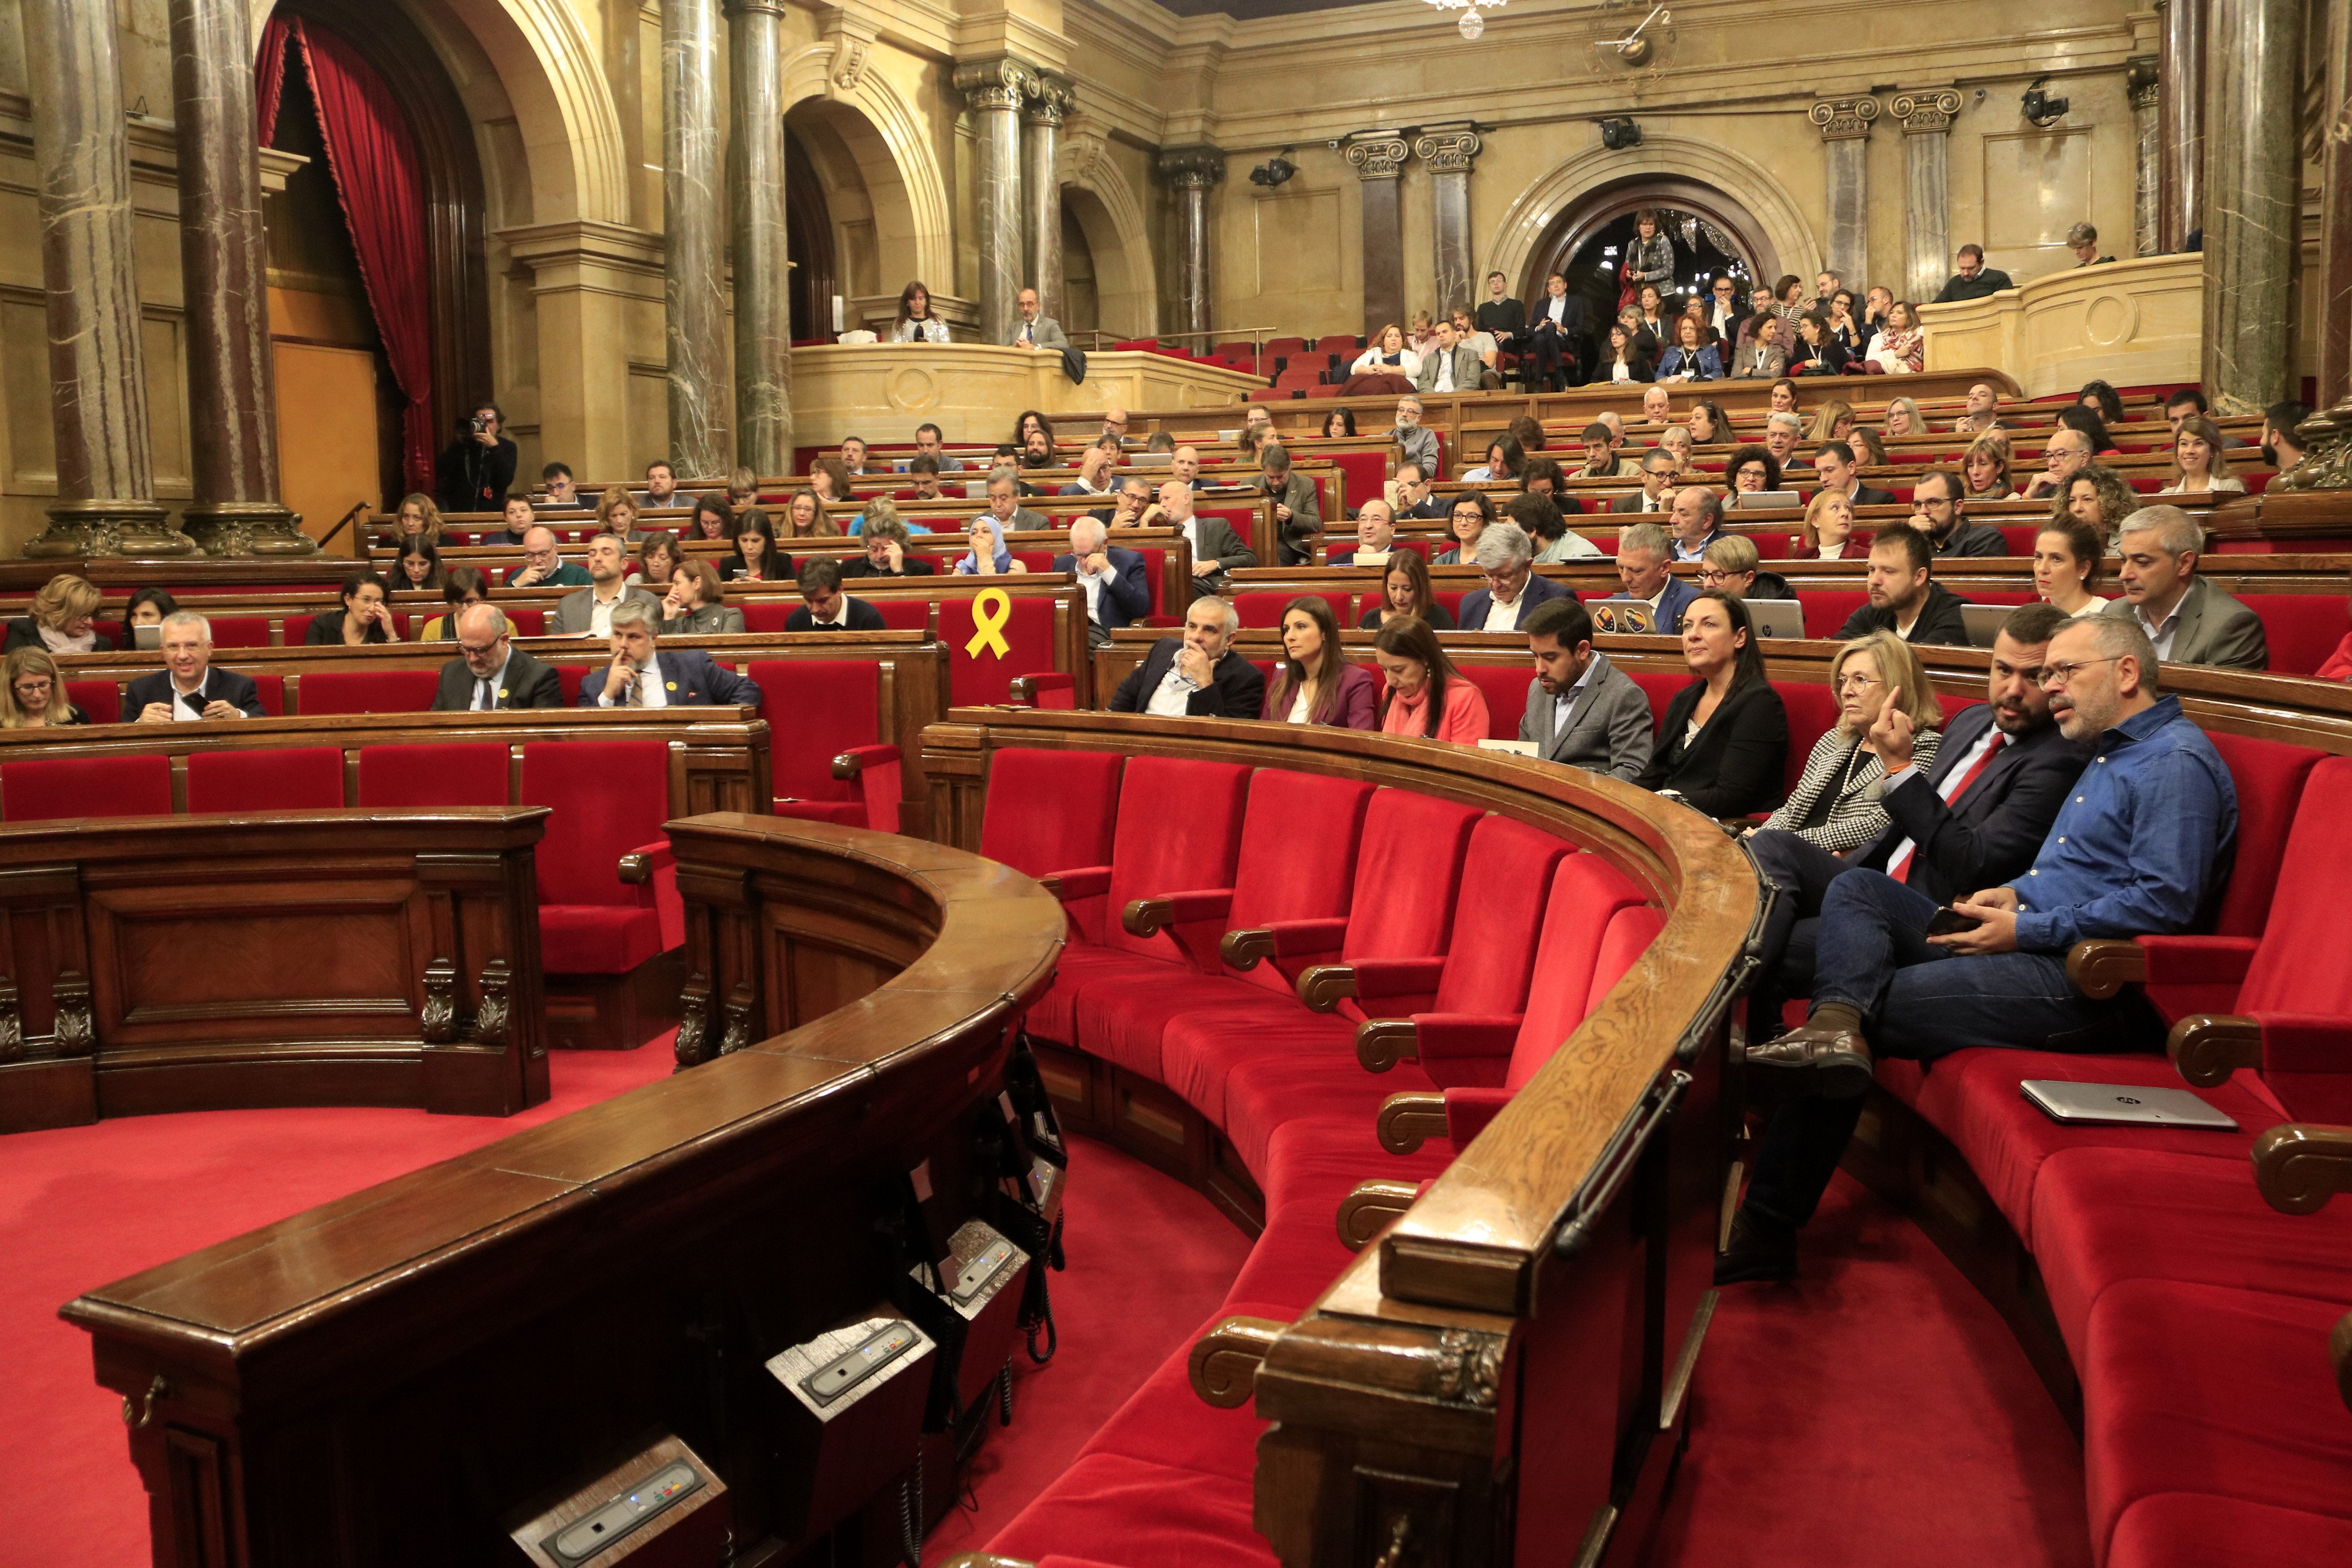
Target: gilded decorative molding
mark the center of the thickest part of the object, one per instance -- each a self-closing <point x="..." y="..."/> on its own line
<point x="1191" y="168"/>
<point x="2141" y="79"/>
<point x="1448" y="152"/>
<point x="1845" y="118"/>
<point x="1001" y="83"/>
<point x="1379" y="156"/>
<point x="1928" y="112"/>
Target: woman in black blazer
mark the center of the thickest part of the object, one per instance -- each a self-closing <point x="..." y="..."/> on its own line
<point x="63" y="618"/>
<point x="1725" y="744"/>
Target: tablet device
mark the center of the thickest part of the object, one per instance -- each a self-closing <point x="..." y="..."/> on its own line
<point x="147" y="636"/>
<point x="1766" y="500"/>
<point x="1983" y="621"/>
<point x="1776" y="617"/>
<point x="2123" y="1102"/>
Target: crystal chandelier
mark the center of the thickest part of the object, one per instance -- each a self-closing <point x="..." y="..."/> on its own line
<point x="1472" y="24"/>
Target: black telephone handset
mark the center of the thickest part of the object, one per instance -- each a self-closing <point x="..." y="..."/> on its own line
<point x="1948" y="921"/>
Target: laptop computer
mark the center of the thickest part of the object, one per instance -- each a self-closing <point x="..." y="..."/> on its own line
<point x="2123" y="1102"/>
<point x="1621" y="615"/>
<point x="1766" y="500"/>
<point x="1776" y="617"/>
<point x="1983" y="621"/>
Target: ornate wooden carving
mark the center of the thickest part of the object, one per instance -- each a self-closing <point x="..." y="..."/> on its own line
<point x="491" y="1025"/>
<point x="2297" y="1167"/>
<point x="694" y="1020"/>
<point x="439" y="1021"/>
<point x="12" y="1023"/>
<point x="1225" y="1360"/>
<point x="77" y="1030"/>
<point x="742" y="1004"/>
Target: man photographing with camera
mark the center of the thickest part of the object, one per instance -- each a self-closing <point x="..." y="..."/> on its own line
<point x="477" y="469"/>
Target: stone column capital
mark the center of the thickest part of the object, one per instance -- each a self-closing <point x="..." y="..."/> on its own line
<point x="774" y="7"/>
<point x="1191" y="168"/>
<point x="2141" y="77"/>
<point x="1845" y="118"/>
<point x="999" y="83"/>
<point x="1376" y="154"/>
<point x="1924" y="111"/>
<point x="1447" y="152"/>
<point x="1049" y="100"/>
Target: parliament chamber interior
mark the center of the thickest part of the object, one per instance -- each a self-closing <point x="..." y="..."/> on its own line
<point x="1175" y="784"/>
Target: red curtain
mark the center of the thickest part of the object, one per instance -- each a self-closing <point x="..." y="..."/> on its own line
<point x="270" y="76"/>
<point x="373" y="160"/>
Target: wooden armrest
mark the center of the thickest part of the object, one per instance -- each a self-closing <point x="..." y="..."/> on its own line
<point x="2298" y="1167"/>
<point x="2208" y="1048"/>
<point x="2100" y="969"/>
<point x="1223" y="1365"/>
<point x="858" y="759"/>
<point x="1371" y="1209"/>
<point x="636" y="868"/>
<point x="1408" y="1120"/>
<point x="1243" y="949"/>
<point x="1142" y="917"/>
<point x="2339" y="1351"/>
<point x="1323" y="986"/>
<point x="1381" y="1043"/>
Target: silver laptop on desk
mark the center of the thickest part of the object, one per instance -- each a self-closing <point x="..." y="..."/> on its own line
<point x="1776" y="617"/>
<point x="1983" y="621"/>
<point x="2123" y="1102"/>
<point x="1766" y="500"/>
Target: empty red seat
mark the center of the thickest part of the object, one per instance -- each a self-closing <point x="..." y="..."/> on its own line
<point x="266" y="778"/>
<point x="369" y="691"/>
<point x="1812" y="712"/>
<point x="1505" y="688"/>
<point x="41" y="788"/>
<point x="2301" y="629"/>
<point x="610" y="799"/>
<point x="471" y="773"/>
<point x="1264" y="611"/>
<point x="248" y="631"/>
<point x="1826" y="610"/>
<point x="905" y="612"/>
<point x="271" y="690"/>
<point x="102" y="699"/>
<point x="767" y="616"/>
<point x="836" y="709"/>
<point x="981" y="674"/>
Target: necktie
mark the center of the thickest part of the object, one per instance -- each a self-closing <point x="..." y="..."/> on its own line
<point x="482" y="696"/>
<point x="1901" y="869"/>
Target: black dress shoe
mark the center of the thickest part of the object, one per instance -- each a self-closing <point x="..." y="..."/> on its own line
<point x="1760" y="1249"/>
<point x="1834" y="1063"/>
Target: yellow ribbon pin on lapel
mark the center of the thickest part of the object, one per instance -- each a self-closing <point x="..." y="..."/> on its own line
<point x="989" y="610"/>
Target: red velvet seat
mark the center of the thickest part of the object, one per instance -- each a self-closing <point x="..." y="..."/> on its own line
<point x="369" y="691"/>
<point x="1505" y="688"/>
<point x="1156" y="1515"/>
<point x="610" y="799"/>
<point x="982" y="675"/>
<point x="1660" y="686"/>
<point x="266" y="778"/>
<point x="1827" y="609"/>
<point x="835" y="709"/>
<point x="527" y="623"/>
<point x="2198" y="1529"/>
<point x="251" y="631"/>
<point x="905" y="612"/>
<point x="1264" y="611"/>
<point x="102" y="699"/>
<point x="2301" y="629"/>
<point x="1812" y="712"/>
<point x="39" y="789"/>
<point x="271" y="690"/>
<point x="471" y="773"/>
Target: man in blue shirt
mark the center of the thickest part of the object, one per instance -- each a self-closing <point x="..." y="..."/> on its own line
<point x="2137" y="850"/>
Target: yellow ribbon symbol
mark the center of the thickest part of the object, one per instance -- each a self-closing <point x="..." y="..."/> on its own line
<point x="989" y="610"/>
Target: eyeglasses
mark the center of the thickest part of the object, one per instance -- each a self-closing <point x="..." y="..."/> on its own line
<point x="28" y="688"/>
<point x="2063" y="674"/>
<point x="1716" y="577"/>
<point x="480" y="647"/>
<point x="1921" y="503"/>
<point x="1857" y="682"/>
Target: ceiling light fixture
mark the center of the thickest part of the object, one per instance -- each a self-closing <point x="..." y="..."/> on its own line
<point x="1471" y="23"/>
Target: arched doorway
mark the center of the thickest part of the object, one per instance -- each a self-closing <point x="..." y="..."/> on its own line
<point x="808" y="244"/>
<point x="1102" y="235"/>
<point x="849" y="217"/>
<point x="1081" y="298"/>
<point x="1712" y="234"/>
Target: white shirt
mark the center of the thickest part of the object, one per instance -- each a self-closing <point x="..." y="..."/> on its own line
<point x="1092" y="582"/>
<point x="1951" y="784"/>
<point x="1171" y="697"/>
<point x="650" y="694"/>
<point x="840" y="616"/>
<point x="181" y="712"/>
<point x="2161" y="636"/>
<point x="1566" y="700"/>
<point x="1298" y="707"/>
<point x="600" y="611"/>
<point x="1502" y="618"/>
<point x="1556" y="309"/>
<point x="1445" y="370"/>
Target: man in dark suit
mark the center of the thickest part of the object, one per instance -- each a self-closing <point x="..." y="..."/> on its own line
<point x="1112" y="579"/>
<point x="1975" y="819"/>
<point x="1216" y="548"/>
<point x="1645" y="575"/>
<point x="829" y="609"/>
<point x="1513" y="590"/>
<point x="1582" y="711"/>
<point x="188" y="688"/>
<point x="489" y="672"/>
<point x="1657" y="480"/>
<point x="642" y="676"/>
<point x="1197" y="674"/>
<point x="1939" y="509"/>
<point x="1833" y="463"/>
<point x="1904" y="598"/>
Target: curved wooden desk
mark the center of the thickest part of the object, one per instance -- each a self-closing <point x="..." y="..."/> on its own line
<point x="278" y="958"/>
<point x="398" y="1377"/>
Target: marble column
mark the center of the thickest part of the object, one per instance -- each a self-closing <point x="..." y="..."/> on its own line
<point x="1042" y="114"/>
<point x="2253" y="168"/>
<point x="97" y="373"/>
<point x="1378" y="158"/>
<point x="2328" y="294"/>
<point x="2180" y="114"/>
<point x="1192" y="173"/>
<point x="2140" y="79"/>
<point x="225" y="281"/>
<point x="1927" y="118"/>
<point x="755" y="192"/>
<point x="1448" y="155"/>
<point x="1845" y="145"/>
<point x="694" y="236"/>
<point x="994" y="90"/>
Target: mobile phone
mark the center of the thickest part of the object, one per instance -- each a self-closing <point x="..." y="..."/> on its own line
<point x="1948" y="921"/>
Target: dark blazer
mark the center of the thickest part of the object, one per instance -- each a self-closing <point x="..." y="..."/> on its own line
<point x="25" y="632"/>
<point x="1940" y="620"/>
<point x="1632" y="501"/>
<point x="1360" y="700"/>
<point x="1863" y="495"/>
<point x="1539" y="590"/>
<point x="1439" y="620"/>
<point x="1235" y="688"/>
<point x="689" y="678"/>
<point x="1126" y="596"/>
<point x="1637" y="365"/>
<point x="326" y="630"/>
<point x="524" y="683"/>
<point x="1975" y="539"/>
<point x="780" y="568"/>
<point x="909" y="565"/>
<point x="704" y="620"/>
<point x="1680" y="592"/>
<point x="1998" y="827"/>
<point x="1737" y="763"/>
<point x="1219" y="544"/>
<point x="237" y="691"/>
<point x="863" y="617"/>
<point x="1805" y="359"/>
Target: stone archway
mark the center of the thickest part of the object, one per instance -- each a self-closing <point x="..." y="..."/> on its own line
<point x="1098" y="198"/>
<point x="868" y="145"/>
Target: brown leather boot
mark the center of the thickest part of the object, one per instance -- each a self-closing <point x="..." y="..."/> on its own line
<point x="1827" y="1059"/>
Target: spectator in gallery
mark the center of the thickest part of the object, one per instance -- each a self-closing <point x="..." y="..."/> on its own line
<point x="1973" y="279"/>
<point x="1499" y="313"/>
<point x="1649" y="258"/>
<point x="64" y="618"/>
<point x="1386" y="354"/>
<point x="916" y="323"/>
<point x="1900" y="348"/>
<point x="1815" y="353"/>
<point x="489" y="672"/>
<point x="1423" y="694"/>
<point x="364" y="619"/>
<point x="187" y="687"/>
<point x="1555" y="328"/>
<point x="33" y="692"/>
<point x="2084" y="241"/>
<point x="1405" y="590"/>
<point x="1761" y="357"/>
<point x="477" y="469"/>
<point x="1845" y="329"/>
<point x="1313" y="681"/>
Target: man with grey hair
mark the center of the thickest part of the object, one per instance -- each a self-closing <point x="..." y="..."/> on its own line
<point x="2187" y="619"/>
<point x="2067" y="453"/>
<point x="1298" y="510"/>
<point x="642" y="676"/>
<point x="1645" y="554"/>
<point x="1112" y="579"/>
<point x="1782" y="434"/>
<point x="2135" y="850"/>
<point x="1216" y="548"/>
<point x="1417" y="443"/>
<point x="1696" y="521"/>
<point x="490" y="671"/>
<point x="188" y="688"/>
<point x="1507" y="556"/>
<point x="1197" y="675"/>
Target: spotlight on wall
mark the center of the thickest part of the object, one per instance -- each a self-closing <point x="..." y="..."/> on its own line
<point x="1619" y="134"/>
<point x="2040" y="109"/>
<point x="1274" y="171"/>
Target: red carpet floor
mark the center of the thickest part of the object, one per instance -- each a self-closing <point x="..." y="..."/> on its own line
<point x="81" y="1207"/>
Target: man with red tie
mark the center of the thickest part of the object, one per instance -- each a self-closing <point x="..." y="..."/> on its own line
<point x="1975" y="819"/>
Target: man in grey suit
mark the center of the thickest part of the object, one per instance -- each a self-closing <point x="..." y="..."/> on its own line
<point x="1216" y="548"/>
<point x="1582" y="711"/>
<point x="589" y="612"/>
<point x="2188" y="619"/>
<point x="1451" y="366"/>
<point x="1033" y="330"/>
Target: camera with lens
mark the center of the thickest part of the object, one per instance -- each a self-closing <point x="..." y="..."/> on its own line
<point x="475" y="425"/>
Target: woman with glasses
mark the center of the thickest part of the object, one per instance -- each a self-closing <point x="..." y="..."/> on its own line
<point x="34" y="696"/>
<point x="1732" y="563"/>
<point x="1837" y="804"/>
<point x="1753" y="470"/>
<point x="1471" y="515"/>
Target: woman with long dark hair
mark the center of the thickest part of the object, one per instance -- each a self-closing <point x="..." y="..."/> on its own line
<point x="1724" y="747"/>
<point x="1405" y="590"/>
<point x="364" y="617"/>
<point x="916" y="323"/>
<point x="1313" y="681"/>
<point x="1424" y="694"/>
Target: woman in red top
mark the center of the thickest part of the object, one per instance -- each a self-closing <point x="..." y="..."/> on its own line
<point x="1426" y="695"/>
